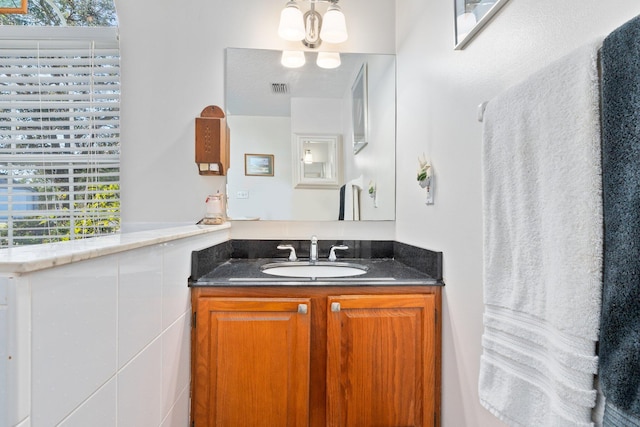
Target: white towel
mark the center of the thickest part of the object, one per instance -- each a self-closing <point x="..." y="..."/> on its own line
<point x="352" y="199"/>
<point x="543" y="236"/>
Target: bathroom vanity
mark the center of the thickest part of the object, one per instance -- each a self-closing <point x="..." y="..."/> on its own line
<point x="305" y="351"/>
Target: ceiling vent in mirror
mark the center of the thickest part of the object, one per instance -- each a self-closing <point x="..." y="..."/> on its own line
<point x="279" y="88"/>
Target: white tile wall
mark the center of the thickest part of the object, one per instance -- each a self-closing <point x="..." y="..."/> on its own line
<point x="176" y="353"/>
<point x="139" y="389"/>
<point x="74" y="342"/>
<point x="180" y="411"/>
<point x="139" y="301"/>
<point x="99" y="410"/>
<point x="176" y="268"/>
<point x="176" y="263"/>
<point x="4" y="348"/>
<point x="25" y="423"/>
<point x="18" y="348"/>
<point x="103" y="342"/>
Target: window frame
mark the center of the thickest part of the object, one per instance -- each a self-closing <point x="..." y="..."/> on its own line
<point x="93" y="147"/>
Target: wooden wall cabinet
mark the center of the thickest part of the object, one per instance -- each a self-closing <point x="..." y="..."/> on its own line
<point x="212" y="142"/>
<point x="306" y="356"/>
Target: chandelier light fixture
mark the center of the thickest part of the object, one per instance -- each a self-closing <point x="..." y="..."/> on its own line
<point x="311" y="28"/>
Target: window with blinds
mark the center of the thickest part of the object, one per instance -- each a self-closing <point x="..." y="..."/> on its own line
<point x="59" y="135"/>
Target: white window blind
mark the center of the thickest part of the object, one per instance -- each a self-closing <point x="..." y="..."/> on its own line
<point x="59" y="135"/>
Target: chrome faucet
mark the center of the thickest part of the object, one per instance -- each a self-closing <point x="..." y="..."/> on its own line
<point x="334" y="248"/>
<point x="292" y="251"/>
<point x="313" y="252"/>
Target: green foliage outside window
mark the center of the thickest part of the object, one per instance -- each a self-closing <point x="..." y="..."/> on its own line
<point x="52" y="228"/>
<point x="65" y="13"/>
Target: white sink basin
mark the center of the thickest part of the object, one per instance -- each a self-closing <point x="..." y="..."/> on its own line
<point x="314" y="270"/>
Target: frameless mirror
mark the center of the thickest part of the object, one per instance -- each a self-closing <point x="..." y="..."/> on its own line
<point x="471" y="16"/>
<point x="285" y="112"/>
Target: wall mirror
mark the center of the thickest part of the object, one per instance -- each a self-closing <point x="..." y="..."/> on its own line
<point x="284" y="111"/>
<point x="471" y="16"/>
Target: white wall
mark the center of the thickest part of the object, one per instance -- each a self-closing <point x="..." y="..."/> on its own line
<point x="173" y="66"/>
<point x="438" y="93"/>
<point x="268" y="196"/>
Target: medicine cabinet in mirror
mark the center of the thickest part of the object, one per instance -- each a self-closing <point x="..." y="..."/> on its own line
<point x="316" y="161"/>
<point x="284" y="111"/>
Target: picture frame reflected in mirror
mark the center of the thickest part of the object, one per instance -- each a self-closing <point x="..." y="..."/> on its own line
<point x="359" y="110"/>
<point x="258" y="164"/>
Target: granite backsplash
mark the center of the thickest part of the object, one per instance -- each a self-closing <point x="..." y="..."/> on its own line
<point x="423" y="260"/>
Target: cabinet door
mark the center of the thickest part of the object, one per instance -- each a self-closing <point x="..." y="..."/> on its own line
<point x="251" y="362"/>
<point x="381" y="361"/>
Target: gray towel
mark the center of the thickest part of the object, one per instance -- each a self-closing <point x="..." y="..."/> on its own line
<point x="615" y="417"/>
<point x="619" y="369"/>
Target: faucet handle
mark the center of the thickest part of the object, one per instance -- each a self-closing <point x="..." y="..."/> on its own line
<point x="292" y="251"/>
<point x="334" y="248"/>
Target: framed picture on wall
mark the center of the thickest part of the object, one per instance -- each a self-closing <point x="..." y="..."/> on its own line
<point x="359" y="109"/>
<point x="258" y="164"/>
<point x="13" y="6"/>
<point x="471" y="16"/>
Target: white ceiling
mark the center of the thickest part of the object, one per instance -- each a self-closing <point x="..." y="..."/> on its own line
<point x="250" y="73"/>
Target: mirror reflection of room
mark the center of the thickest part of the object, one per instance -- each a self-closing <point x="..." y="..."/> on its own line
<point x="307" y="112"/>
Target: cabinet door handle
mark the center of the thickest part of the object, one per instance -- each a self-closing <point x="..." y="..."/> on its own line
<point x="302" y="308"/>
<point x="335" y="307"/>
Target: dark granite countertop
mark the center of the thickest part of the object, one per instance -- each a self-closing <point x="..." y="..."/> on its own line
<point x="238" y="262"/>
<point x="247" y="272"/>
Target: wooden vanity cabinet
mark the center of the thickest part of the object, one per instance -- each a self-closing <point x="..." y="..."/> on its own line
<point x="251" y="367"/>
<point x="355" y="356"/>
<point x="381" y="360"/>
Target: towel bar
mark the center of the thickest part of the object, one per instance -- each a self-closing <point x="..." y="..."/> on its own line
<point x="481" y="108"/>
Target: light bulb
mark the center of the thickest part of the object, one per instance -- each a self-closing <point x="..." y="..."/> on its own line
<point x="334" y="27"/>
<point x="291" y="23"/>
<point x="292" y="58"/>
<point x="308" y="157"/>
<point x="328" y="59"/>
